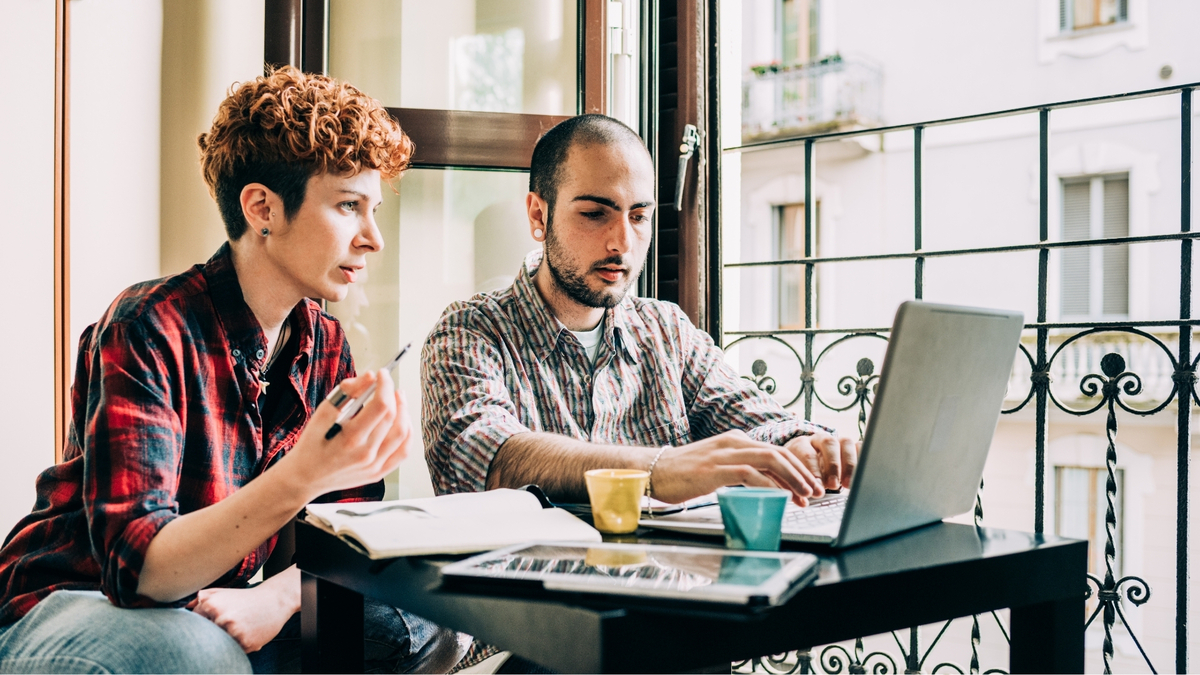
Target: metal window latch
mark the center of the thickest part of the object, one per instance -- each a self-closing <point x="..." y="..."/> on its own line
<point x="691" y="139"/>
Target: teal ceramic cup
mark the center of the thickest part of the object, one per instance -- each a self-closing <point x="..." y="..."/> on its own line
<point x="752" y="517"/>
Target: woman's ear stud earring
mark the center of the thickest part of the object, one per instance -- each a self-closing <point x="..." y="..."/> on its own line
<point x="537" y="234"/>
<point x="265" y="232"/>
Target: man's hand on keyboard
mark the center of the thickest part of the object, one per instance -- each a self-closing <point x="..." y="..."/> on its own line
<point x="830" y="458"/>
<point x="731" y="458"/>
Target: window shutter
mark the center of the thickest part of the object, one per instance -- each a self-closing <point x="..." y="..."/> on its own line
<point x="1116" y="258"/>
<point x="1064" y="18"/>
<point x="1076" y="271"/>
<point x="1081" y="504"/>
<point x="790" y="245"/>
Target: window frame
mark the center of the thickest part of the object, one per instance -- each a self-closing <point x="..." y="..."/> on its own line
<point x="780" y="223"/>
<point x="808" y="18"/>
<point x="1066" y="16"/>
<point x="62" y="226"/>
<point x="687" y="249"/>
<point x="297" y="33"/>
<point x="680" y="66"/>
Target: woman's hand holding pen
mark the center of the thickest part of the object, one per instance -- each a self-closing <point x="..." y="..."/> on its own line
<point x="370" y="445"/>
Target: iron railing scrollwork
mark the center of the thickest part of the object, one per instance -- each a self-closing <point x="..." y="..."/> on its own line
<point x="1061" y="350"/>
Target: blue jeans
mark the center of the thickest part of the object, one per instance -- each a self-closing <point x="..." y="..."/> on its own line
<point x="82" y="632"/>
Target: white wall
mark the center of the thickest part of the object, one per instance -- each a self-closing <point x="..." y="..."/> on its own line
<point x="119" y="148"/>
<point x="207" y="47"/>
<point x="26" y="258"/>
<point x="115" y="84"/>
<point x="980" y="181"/>
<point x="943" y="59"/>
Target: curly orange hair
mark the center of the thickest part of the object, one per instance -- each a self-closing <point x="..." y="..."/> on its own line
<point x="287" y="126"/>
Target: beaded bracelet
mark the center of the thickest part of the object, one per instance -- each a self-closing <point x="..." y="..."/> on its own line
<point x="650" y="477"/>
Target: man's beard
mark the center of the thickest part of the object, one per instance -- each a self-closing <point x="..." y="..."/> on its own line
<point x="575" y="285"/>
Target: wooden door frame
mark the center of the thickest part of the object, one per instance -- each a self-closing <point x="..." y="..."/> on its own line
<point x="710" y="285"/>
<point x="690" y="256"/>
<point x="649" y="121"/>
<point x="297" y="33"/>
<point x="62" y="227"/>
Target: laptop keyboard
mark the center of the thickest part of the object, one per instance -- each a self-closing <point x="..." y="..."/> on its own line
<point x="823" y="511"/>
<point x="819" y="512"/>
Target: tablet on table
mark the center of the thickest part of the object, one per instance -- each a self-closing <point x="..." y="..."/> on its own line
<point x="677" y="573"/>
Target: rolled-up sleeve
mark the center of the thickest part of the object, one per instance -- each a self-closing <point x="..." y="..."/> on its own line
<point x="467" y="411"/>
<point x="133" y="452"/>
<point x="722" y="401"/>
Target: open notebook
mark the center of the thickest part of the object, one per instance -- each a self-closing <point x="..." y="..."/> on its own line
<point x="461" y="523"/>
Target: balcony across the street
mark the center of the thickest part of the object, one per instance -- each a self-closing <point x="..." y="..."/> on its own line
<point x="826" y="95"/>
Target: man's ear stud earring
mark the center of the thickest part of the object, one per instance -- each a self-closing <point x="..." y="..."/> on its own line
<point x="537" y="234"/>
<point x="265" y="232"/>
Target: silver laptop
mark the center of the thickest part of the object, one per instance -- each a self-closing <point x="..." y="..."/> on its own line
<point x="935" y="412"/>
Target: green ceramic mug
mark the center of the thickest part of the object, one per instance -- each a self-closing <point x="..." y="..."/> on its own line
<point x="752" y="517"/>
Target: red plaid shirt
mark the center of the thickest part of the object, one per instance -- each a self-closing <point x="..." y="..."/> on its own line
<point x="165" y="422"/>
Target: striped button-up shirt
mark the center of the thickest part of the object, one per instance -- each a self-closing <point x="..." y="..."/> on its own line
<point x="501" y="364"/>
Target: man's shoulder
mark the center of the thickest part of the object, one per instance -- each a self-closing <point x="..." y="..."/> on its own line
<point x="658" y="309"/>
<point x="484" y="312"/>
<point x="659" y="316"/>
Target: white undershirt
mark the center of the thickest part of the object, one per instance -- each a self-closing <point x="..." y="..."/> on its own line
<point x="591" y="341"/>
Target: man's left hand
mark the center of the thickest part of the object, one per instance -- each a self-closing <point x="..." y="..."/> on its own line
<point x="831" y="459"/>
<point x="252" y="616"/>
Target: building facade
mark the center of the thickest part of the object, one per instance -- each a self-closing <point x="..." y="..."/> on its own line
<point x="807" y="67"/>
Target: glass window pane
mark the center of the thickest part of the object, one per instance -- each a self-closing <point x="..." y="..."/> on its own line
<point x="1081" y="509"/>
<point x="1085" y="13"/>
<point x="1074" y="509"/>
<point x="448" y="235"/>
<point x="514" y="56"/>
<point x="794" y="31"/>
<point x="1108" y="12"/>
<point x="791" y="277"/>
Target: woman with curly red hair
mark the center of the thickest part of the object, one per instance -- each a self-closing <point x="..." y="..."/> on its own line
<point x="199" y="417"/>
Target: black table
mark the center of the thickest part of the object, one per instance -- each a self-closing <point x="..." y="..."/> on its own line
<point x="932" y="574"/>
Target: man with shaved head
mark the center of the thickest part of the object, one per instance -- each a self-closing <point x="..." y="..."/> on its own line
<point x="567" y="371"/>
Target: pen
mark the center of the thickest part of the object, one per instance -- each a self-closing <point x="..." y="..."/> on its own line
<point x="349" y="407"/>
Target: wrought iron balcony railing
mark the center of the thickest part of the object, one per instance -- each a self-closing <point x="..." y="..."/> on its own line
<point x="827" y="95"/>
<point x="1115" y="369"/>
<point x="1075" y="355"/>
